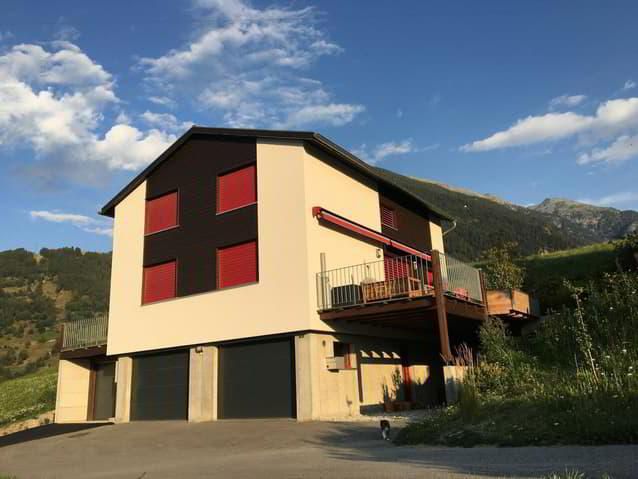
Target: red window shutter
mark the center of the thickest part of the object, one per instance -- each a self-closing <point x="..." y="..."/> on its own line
<point x="237" y="189"/>
<point x="396" y="268"/>
<point x="159" y="282"/>
<point x="237" y="264"/>
<point x="388" y="217"/>
<point x="161" y="213"/>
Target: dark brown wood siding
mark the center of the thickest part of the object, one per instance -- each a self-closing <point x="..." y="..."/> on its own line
<point x="412" y="229"/>
<point x="192" y="171"/>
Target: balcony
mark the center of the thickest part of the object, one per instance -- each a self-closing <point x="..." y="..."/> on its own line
<point x="424" y="293"/>
<point x="85" y="334"/>
<point x="398" y="279"/>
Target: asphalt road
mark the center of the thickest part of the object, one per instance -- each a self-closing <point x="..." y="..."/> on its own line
<point x="279" y="449"/>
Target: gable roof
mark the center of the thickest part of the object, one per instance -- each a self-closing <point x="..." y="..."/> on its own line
<point x="310" y="137"/>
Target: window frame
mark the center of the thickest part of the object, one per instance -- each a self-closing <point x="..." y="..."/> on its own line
<point x="175" y="296"/>
<point x="177" y="215"/>
<point x="228" y="172"/>
<point x="217" y="264"/>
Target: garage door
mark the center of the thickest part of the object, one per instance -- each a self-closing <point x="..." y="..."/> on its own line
<point x="160" y="386"/>
<point x="256" y="380"/>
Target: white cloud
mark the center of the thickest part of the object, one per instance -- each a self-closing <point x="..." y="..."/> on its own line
<point x="125" y="147"/>
<point x="333" y="114"/>
<point x="246" y="66"/>
<point x="614" y="119"/>
<point x="162" y="101"/>
<point x="165" y="121"/>
<point x="55" y="100"/>
<point x="533" y="129"/>
<point x="613" y="199"/>
<point x="623" y="148"/>
<point x="629" y="84"/>
<point x="85" y="223"/>
<point x="391" y="148"/>
<point x="568" y="101"/>
<point x="6" y="35"/>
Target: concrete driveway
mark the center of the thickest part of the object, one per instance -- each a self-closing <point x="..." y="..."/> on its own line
<point x="278" y="449"/>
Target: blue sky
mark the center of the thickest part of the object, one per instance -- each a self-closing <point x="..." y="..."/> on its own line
<point x="523" y="100"/>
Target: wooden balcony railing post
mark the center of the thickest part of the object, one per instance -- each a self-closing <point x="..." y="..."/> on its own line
<point x="441" y="313"/>
<point x="483" y="291"/>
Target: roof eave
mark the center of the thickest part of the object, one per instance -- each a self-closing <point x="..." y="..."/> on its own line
<point x="312" y="137"/>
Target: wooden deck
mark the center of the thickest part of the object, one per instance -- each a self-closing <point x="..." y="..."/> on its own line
<point x="511" y="304"/>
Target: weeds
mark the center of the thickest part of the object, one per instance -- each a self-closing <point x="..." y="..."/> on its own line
<point x="573" y="381"/>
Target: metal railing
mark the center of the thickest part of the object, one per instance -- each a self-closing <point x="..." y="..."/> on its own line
<point x="378" y="281"/>
<point x="396" y="278"/>
<point x="85" y="333"/>
<point x="461" y="280"/>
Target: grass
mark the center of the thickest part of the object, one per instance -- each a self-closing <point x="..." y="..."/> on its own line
<point x="28" y="396"/>
<point x="545" y="273"/>
<point x="573" y="264"/>
<point x="571" y="474"/>
<point x="572" y="381"/>
<point x="527" y="422"/>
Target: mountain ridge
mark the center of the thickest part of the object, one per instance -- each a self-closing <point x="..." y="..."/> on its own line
<point x="485" y="221"/>
<point x="604" y="221"/>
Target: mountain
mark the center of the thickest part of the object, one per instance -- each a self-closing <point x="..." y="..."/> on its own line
<point x="603" y="222"/>
<point x="485" y="221"/>
<point x="37" y="292"/>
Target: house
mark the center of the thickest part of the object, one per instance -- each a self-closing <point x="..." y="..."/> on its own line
<point x="267" y="274"/>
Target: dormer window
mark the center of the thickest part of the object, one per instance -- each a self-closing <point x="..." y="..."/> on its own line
<point x="388" y="217"/>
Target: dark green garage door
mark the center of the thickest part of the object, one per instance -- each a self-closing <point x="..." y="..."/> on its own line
<point x="160" y="386"/>
<point x="257" y="380"/>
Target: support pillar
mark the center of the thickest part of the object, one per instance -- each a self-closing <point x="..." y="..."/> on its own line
<point x="441" y="312"/>
<point x="202" y="384"/>
<point x="123" y="383"/>
<point x="306" y="378"/>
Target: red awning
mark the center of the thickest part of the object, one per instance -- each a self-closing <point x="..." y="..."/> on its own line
<point x="320" y="213"/>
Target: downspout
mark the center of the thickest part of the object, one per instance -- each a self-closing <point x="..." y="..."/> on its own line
<point x="452" y="228"/>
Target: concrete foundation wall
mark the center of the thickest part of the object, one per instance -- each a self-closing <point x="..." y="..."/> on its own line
<point x="72" y="398"/>
<point x="327" y="394"/>
<point x="453" y="376"/>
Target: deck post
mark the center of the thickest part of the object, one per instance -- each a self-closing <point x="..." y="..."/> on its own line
<point x="441" y="313"/>
<point x="484" y="292"/>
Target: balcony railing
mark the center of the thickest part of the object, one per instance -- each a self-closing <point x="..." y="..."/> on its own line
<point x="85" y="333"/>
<point x="460" y="279"/>
<point x="394" y="279"/>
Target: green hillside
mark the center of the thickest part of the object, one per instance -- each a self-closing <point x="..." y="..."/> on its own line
<point x="483" y="223"/>
<point x="37" y="292"/>
<point x="28" y="396"/>
<point x="546" y="273"/>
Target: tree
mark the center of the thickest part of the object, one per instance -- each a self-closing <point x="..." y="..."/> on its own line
<point x="500" y="270"/>
<point x="627" y="250"/>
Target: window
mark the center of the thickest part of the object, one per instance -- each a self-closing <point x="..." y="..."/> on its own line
<point x="396" y="267"/>
<point x="237" y="265"/>
<point x="343" y="352"/>
<point x="161" y="213"/>
<point x="388" y="217"/>
<point x="236" y="189"/>
<point x="159" y="282"/>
